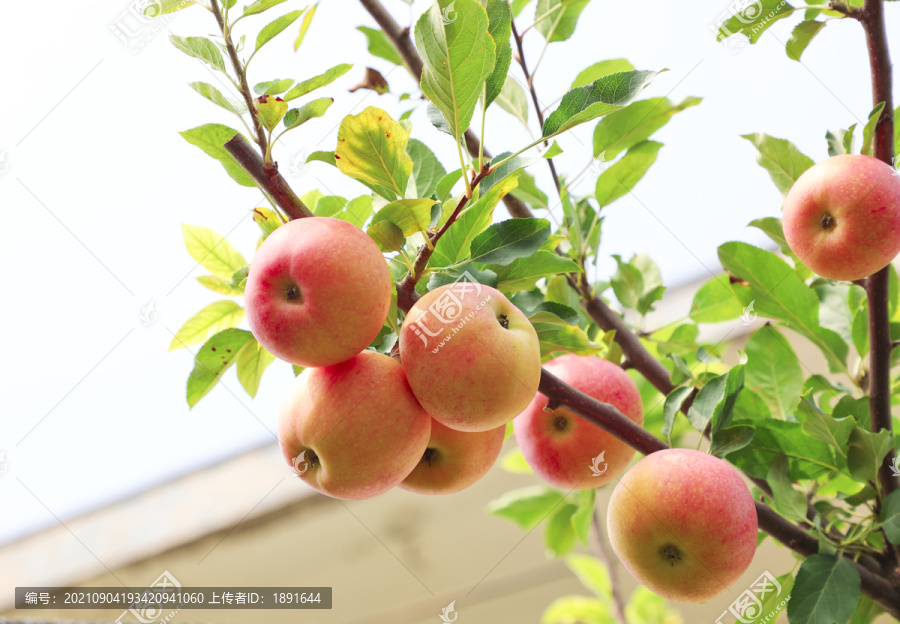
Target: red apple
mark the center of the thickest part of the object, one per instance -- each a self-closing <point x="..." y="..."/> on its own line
<point x="683" y="523"/>
<point x="454" y="460"/>
<point x="318" y="291"/>
<point x="472" y="358"/>
<point x="842" y="217"/>
<point x="565" y="450"/>
<point x="353" y="430"/>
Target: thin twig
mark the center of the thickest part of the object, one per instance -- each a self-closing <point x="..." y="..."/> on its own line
<point x="269" y="179"/>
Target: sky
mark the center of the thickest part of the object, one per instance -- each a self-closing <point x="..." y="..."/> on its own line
<point x="95" y="183"/>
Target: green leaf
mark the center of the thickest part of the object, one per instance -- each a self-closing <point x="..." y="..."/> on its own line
<point x="219" y="285"/>
<point x="670" y="409"/>
<point x="774" y="598"/>
<point x="372" y="149"/>
<point x="252" y="361"/>
<point x="825" y="591"/>
<point x="212" y="360"/>
<point x="627" y="283"/>
<point x="591" y="572"/>
<point x="304" y="26"/>
<point x="808" y="457"/>
<point x="527" y="507"/>
<point x="514" y="461"/>
<point x="358" y="210"/>
<point x="210" y="320"/>
<point x="329" y="205"/>
<point x="529" y="193"/>
<point x="273" y="87"/>
<point x="504" y="169"/>
<point x="500" y="29"/>
<point x="259" y="6"/>
<point x="455" y="244"/>
<point x="583" y="517"/>
<point x="267" y="220"/>
<point x="645" y="607"/>
<point x="270" y="110"/>
<point x="211" y="138"/>
<point x="387" y="236"/>
<point x="773" y="371"/>
<point x="559" y="535"/>
<point x="577" y="610"/>
<point x="445" y="185"/>
<point x="458" y="55"/>
<point x="716" y="398"/>
<point x="860" y="328"/>
<point x="754" y="19"/>
<point x="215" y="96"/>
<point x="780" y="158"/>
<point x="601" y="97"/>
<point x="778" y="292"/>
<point x="521" y="274"/>
<point x="625" y="128"/>
<point x="869" y="129"/>
<point x="730" y="439"/>
<point x="308" y="86"/>
<point x="380" y="45"/>
<point x="866" y="451"/>
<point x="802" y="34"/>
<point x="509" y="240"/>
<point x="553" y="151"/>
<point x="312" y="109"/>
<point x="819" y="425"/>
<point x="789" y="502"/>
<point x="555" y="335"/>
<point x="556" y="19"/>
<point x="409" y="215"/>
<point x="270" y="31"/>
<point x="715" y="302"/>
<point x="513" y="100"/>
<point x="598" y="70"/>
<point x="160" y="7"/>
<point x="427" y="170"/>
<point x="620" y="178"/>
<point x="200" y="48"/>
<point x="212" y="251"/>
<point x="840" y="141"/>
<point x="890" y="517"/>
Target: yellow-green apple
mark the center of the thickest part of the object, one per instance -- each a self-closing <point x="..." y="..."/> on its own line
<point x="472" y="358"/>
<point x="842" y="217"/>
<point x="454" y="460"/>
<point x="683" y="523"/>
<point x="565" y="450"/>
<point x="318" y="291"/>
<point x="353" y="430"/>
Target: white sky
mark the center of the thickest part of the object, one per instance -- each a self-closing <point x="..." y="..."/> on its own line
<point x="97" y="181"/>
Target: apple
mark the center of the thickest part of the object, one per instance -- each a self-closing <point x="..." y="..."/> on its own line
<point x="454" y="460"/>
<point x="683" y="523"/>
<point x="565" y="450"/>
<point x="353" y="430"/>
<point x="318" y="291"/>
<point x="472" y="357"/>
<point x="842" y="217"/>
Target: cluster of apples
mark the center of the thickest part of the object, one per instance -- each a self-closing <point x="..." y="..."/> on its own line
<point x="356" y="423"/>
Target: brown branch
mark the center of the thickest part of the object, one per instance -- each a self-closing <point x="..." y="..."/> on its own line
<point x="872" y="20"/>
<point x="529" y="79"/>
<point x="241" y="74"/>
<point x="267" y="177"/>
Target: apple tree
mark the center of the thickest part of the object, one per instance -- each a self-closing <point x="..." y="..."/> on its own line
<point x="819" y="451"/>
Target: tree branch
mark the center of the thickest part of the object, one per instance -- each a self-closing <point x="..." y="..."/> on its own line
<point x="267" y="177"/>
<point x="603" y="551"/>
<point x="872" y="20"/>
<point x="241" y="74"/>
